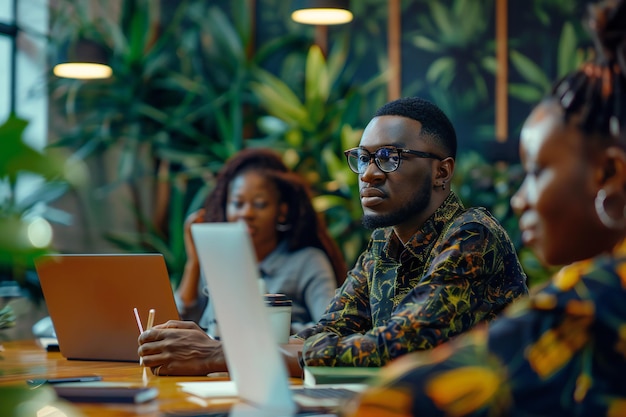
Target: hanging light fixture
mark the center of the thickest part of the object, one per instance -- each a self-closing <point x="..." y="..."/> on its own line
<point x="321" y="12"/>
<point x="84" y="60"/>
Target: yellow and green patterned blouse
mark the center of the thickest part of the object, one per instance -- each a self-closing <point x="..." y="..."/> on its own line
<point x="560" y="352"/>
<point x="458" y="270"/>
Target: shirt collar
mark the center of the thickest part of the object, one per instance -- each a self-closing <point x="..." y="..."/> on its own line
<point x="430" y="231"/>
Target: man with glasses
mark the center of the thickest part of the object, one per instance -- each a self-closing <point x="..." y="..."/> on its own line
<point x="432" y="269"/>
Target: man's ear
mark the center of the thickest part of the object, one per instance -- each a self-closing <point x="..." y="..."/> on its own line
<point x="443" y="171"/>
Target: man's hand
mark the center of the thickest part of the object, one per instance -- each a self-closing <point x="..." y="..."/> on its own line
<point x="180" y="348"/>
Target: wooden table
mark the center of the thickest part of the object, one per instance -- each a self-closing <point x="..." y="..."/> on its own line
<point x="22" y="360"/>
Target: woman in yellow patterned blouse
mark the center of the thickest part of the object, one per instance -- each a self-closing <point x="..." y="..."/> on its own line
<point x="562" y="352"/>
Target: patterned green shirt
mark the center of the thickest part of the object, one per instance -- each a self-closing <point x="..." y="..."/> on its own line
<point x="458" y="270"/>
<point x="560" y="352"/>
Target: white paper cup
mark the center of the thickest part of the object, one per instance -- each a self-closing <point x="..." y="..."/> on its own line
<point x="279" y="311"/>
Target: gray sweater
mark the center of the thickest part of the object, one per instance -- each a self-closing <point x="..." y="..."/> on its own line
<point x="306" y="276"/>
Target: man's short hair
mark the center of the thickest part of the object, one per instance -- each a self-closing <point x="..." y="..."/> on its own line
<point x="434" y="121"/>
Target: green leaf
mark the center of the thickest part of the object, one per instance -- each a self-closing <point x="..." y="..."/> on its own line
<point x="490" y="64"/>
<point x="441" y="18"/>
<point x="42" y="192"/>
<point x="441" y="69"/>
<point x="480" y="86"/>
<point x="566" y="59"/>
<point x="224" y="34"/>
<point x="471" y="16"/>
<point x="422" y="42"/>
<point x="140" y="26"/>
<point x="117" y="40"/>
<point x="541" y="15"/>
<point x="530" y="71"/>
<point x="317" y="86"/>
<point x="242" y="20"/>
<point x="16" y="156"/>
<point x="326" y="202"/>
<point x="279" y="100"/>
<point x="336" y="62"/>
<point x="525" y="93"/>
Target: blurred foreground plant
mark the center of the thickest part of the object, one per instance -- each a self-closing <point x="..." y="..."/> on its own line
<point x="29" y="180"/>
<point x="7" y="317"/>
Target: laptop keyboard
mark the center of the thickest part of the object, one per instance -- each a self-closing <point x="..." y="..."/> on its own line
<point x="334" y="393"/>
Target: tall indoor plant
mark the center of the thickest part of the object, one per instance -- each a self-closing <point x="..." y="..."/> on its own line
<point x="177" y="106"/>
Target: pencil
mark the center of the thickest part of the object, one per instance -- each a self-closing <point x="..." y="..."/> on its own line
<point x="148" y="327"/>
<point x="150" y="319"/>
<point x="138" y="320"/>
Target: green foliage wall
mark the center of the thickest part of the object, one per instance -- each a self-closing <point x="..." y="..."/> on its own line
<point x="211" y="78"/>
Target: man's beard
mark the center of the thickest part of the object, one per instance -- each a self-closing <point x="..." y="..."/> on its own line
<point x="419" y="202"/>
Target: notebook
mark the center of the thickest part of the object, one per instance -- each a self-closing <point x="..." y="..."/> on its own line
<point x="90" y="299"/>
<point x="256" y="367"/>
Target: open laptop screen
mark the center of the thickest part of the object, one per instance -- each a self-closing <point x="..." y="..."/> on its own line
<point x="90" y="299"/>
<point x="255" y="364"/>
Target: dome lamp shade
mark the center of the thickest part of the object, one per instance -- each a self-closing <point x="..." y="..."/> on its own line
<point x="321" y="12"/>
<point x="84" y="59"/>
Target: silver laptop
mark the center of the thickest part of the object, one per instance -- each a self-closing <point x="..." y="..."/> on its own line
<point x="254" y="361"/>
<point x="90" y="299"/>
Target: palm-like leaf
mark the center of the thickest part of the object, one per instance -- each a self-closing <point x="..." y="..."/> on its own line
<point x="457" y="33"/>
<point x="317" y="117"/>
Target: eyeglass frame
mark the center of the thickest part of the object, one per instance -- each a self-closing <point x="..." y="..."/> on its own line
<point x="400" y="151"/>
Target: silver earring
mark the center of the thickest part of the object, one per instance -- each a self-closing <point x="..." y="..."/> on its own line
<point x="443" y="185"/>
<point x="282" y="227"/>
<point x="607" y="220"/>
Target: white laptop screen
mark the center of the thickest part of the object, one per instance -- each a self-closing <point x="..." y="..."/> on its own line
<point x="255" y="364"/>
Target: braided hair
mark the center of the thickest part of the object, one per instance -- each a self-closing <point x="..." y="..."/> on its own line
<point x="595" y="94"/>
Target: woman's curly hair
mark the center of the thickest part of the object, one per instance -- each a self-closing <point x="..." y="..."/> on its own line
<point x="306" y="227"/>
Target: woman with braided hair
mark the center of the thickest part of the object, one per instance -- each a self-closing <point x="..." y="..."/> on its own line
<point x="296" y="254"/>
<point x="562" y="351"/>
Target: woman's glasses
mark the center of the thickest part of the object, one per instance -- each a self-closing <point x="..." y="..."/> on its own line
<point x="387" y="158"/>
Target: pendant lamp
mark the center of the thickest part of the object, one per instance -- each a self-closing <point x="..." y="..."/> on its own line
<point x="85" y="60"/>
<point x="321" y="12"/>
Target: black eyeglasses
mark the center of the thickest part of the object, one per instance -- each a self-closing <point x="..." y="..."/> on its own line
<point x="387" y="158"/>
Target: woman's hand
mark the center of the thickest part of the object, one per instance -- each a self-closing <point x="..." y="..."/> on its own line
<point x="188" y="287"/>
<point x="180" y="348"/>
<point x="190" y="248"/>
